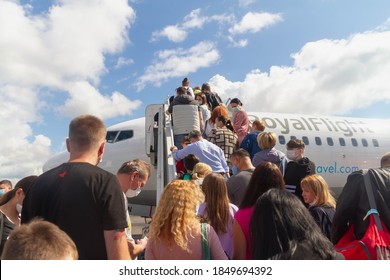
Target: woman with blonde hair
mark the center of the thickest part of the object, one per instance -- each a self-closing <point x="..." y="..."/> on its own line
<point x="200" y="171"/>
<point x="175" y="232"/>
<point x="267" y="142"/>
<point x="217" y="210"/>
<point x="322" y="205"/>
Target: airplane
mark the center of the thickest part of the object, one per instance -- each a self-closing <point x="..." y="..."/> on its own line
<point x="337" y="145"/>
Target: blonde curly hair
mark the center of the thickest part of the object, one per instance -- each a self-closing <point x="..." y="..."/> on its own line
<point x="175" y="217"/>
<point x="201" y="170"/>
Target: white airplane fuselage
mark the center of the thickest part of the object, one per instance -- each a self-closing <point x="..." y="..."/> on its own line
<point x="337" y="145"/>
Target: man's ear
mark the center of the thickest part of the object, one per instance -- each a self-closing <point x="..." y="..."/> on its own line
<point x="68" y="145"/>
<point x="101" y="149"/>
<point x="134" y="174"/>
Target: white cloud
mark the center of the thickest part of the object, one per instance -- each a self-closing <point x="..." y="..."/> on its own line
<point x="21" y="152"/>
<point x="254" y="22"/>
<point x="178" y="63"/>
<point x="328" y="77"/>
<point x="194" y="20"/>
<point x="67" y="43"/>
<point x="245" y="3"/>
<point x="237" y="44"/>
<point x="85" y="99"/>
<point x="122" y="61"/>
<point x="173" y="33"/>
<point x="58" y="50"/>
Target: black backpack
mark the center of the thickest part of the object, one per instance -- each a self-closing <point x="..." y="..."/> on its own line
<point x="214" y="100"/>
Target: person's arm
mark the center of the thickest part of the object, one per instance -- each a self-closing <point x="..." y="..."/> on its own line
<point x="237" y="122"/>
<point x="137" y="247"/>
<point x="224" y="163"/>
<point x="180" y="154"/>
<point x="239" y="242"/>
<point x="201" y="120"/>
<point x="116" y="244"/>
<point x="346" y="207"/>
<point x="246" y="144"/>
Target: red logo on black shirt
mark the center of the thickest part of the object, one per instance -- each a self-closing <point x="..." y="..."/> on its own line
<point x="62" y="175"/>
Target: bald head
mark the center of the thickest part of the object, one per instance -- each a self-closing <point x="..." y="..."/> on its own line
<point x="385" y="160"/>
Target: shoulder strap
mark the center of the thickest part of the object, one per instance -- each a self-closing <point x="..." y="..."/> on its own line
<point x="371" y="199"/>
<point x="205" y="243"/>
<point x="1" y="226"/>
<point x="282" y="165"/>
<point x="326" y="214"/>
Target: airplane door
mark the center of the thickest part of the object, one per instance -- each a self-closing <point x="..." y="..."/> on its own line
<point x="150" y="112"/>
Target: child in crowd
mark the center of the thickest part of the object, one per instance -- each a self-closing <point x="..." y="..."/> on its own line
<point x="39" y="240"/>
<point x="201" y="170"/>
<point x="322" y="205"/>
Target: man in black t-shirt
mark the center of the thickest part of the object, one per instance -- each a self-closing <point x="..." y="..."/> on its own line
<point x="82" y="199"/>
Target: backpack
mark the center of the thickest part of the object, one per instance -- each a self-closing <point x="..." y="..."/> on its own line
<point x="375" y="243"/>
<point x="214" y="100"/>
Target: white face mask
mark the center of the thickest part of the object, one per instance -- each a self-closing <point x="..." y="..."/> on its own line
<point x="133" y="193"/>
<point x="19" y="208"/>
<point x="199" y="181"/>
<point x="291" y="154"/>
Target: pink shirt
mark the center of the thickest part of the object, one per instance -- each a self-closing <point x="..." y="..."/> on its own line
<point x="243" y="217"/>
<point x="159" y="250"/>
<point x="241" y="124"/>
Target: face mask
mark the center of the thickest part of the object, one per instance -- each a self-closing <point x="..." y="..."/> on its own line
<point x="235" y="169"/>
<point x="291" y="154"/>
<point x="236" y="109"/>
<point x="19" y="208"/>
<point x="2" y="191"/>
<point x="133" y="193"/>
<point x="199" y="181"/>
<point x="197" y="209"/>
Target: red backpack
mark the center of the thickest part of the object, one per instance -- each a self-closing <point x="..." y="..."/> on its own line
<point x="375" y="244"/>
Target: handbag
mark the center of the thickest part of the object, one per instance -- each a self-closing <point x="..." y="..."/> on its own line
<point x="206" y="254"/>
<point x="375" y="244"/>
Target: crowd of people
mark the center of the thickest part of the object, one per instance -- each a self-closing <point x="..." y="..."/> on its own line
<point x="235" y="197"/>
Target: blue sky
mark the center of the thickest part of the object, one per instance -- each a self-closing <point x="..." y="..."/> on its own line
<point x="59" y="59"/>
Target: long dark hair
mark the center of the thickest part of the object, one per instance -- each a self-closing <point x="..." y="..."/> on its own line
<point x="227" y="123"/>
<point x="24" y="184"/>
<point x="267" y="175"/>
<point x="280" y="223"/>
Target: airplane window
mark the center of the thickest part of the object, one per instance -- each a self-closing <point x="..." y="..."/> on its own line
<point x="375" y="142"/>
<point x="330" y="141"/>
<point x="318" y="141"/>
<point x="110" y="136"/>
<point x="293" y="137"/>
<point x="364" y="142"/>
<point x="282" y="140"/>
<point x="305" y="140"/>
<point x="354" y="142"/>
<point x="342" y="141"/>
<point x="125" y="134"/>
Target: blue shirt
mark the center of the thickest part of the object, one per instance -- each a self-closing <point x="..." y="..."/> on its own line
<point x="250" y="143"/>
<point x="207" y="152"/>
